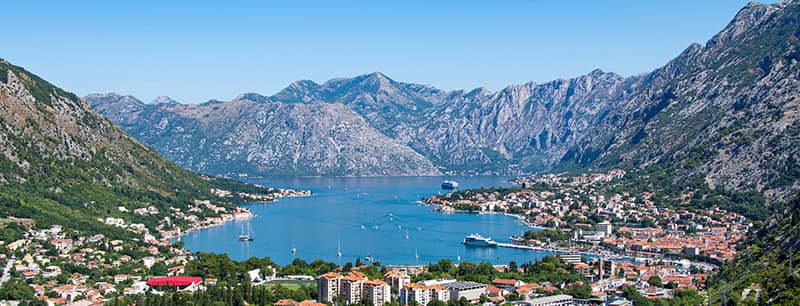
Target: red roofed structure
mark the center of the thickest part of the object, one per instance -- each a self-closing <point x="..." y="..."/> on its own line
<point x="173" y="281"/>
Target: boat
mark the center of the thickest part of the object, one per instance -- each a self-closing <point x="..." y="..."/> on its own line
<point x="339" y="252"/>
<point x="245" y="236"/>
<point x="448" y="184"/>
<point x="294" y="250"/>
<point x="406" y="235"/>
<point x="479" y="241"/>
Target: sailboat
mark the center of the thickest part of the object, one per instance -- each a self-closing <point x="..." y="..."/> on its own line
<point x="340" y="249"/>
<point x="416" y="254"/>
<point x="294" y="250"/>
<point x="245" y="236"/>
<point x="406" y="235"/>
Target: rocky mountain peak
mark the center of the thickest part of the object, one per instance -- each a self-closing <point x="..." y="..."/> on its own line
<point x="375" y="82"/>
<point x="250" y="96"/>
<point x="300" y="91"/>
<point x="164" y="100"/>
<point x="95" y="99"/>
<point x="747" y="18"/>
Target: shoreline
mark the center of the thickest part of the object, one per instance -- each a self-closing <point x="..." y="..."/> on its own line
<point x="241" y="213"/>
<point x="605" y="254"/>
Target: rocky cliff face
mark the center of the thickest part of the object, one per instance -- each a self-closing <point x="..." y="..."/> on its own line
<point x="725" y="112"/>
<point x="253" y="136"/>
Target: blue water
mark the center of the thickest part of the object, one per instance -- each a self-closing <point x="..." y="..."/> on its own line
<point x="386" y="208"/>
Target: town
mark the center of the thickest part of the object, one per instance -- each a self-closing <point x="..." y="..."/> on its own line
<point x="607" y="249"/>
<point x="62" y="266"/>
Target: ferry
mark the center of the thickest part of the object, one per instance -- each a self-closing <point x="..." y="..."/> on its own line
<point x="479" y="241"/>
<point x="450" y="185"/>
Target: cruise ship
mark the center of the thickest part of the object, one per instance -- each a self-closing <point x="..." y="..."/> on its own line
<point x="479" y="241"/>
<point x="448" y="184"/>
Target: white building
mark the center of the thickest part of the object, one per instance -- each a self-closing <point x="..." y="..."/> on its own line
<point x="605" y="227"/>
<point x="376" y="292"/>
<point x="396" y="279"/>
<point x="554" y="300"/>
<point x="328" y="286"/>
<point x="470" y="290"/>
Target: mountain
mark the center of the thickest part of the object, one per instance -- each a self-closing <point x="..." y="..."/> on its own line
<point x="723" y="114"/>
<point x="255" y="136"/>
<point x="63" y="163"/>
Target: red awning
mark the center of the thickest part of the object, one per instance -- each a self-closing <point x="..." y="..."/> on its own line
<point x="173" y="281"/>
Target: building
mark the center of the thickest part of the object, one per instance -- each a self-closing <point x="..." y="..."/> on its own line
<point x="507" y="284"/>
<point x="397" y="279"/>
<point x="553" y="300"/>
<point x="424" y="293"/>
<point x="328" y="286"/>
<point x="351" y="289"/>
<point x="376" y="292"/>
<point x="605" y="228"/>
<point x="607" y="268"/>
<point x="470" y="290"/>
<point x="415" y="292"/>
<point x="572" y="258"/>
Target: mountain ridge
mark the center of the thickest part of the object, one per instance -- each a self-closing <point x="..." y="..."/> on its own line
<point x="688" y="111"/>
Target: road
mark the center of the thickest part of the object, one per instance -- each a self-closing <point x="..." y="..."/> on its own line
<point x="6" y="272"/>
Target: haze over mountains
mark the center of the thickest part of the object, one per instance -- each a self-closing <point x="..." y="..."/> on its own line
<point x="726" y="112"/>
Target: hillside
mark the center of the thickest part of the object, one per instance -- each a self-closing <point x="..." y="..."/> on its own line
<point x="62" y="163"/>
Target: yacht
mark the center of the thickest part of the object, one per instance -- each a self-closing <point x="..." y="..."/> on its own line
<point x="245" y="235"/>
<point x="479" y="241"/>
<point x="448" y="184"/>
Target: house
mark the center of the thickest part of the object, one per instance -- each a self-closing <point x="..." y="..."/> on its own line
<point x="255" y="276"/>
<point x="51" y="271"/>
<point x="176" y="270"/>
<point x="507" y="284"/>
<point x="492" y="291"/>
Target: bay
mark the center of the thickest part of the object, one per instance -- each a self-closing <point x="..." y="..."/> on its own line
<point x="375" y="216"/>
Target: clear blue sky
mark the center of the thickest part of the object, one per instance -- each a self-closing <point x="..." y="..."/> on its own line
<point x="194" y="51"/>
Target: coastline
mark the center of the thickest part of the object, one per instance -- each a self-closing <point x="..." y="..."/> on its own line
<point x="240" y="213"/>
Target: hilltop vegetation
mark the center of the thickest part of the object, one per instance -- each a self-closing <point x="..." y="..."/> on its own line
<point x="62" y="163"/>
